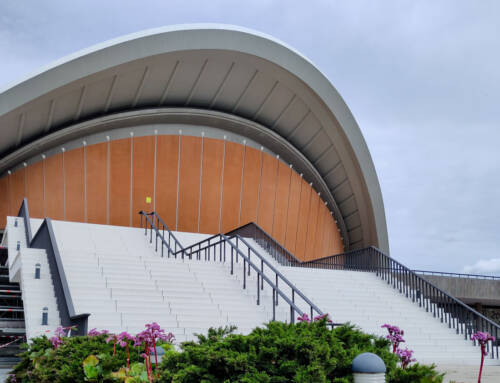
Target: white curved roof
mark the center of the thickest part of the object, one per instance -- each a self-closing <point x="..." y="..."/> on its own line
<point x="218" y="69"/>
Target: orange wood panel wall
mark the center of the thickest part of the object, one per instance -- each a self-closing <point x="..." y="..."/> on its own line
<point x="213" y="158"/>
<point x="189" y="184"/>
<point x="233" y="166"/>
<point x="267" y="192"/>
<point x="119" y="185"/>
<point x="304" y="206"/>
<point x="251" y="184"/>
<point x="74" y="183"/>
<point x="142" y="176"/>
<point x="34" y="189"/>
<point x="54" y="193"/>
<point x="312" y="226"/>
<point x="208" y="186"/>
<point x="281" y="205"/>
<point x="293" y="212"/>
<point x="96" y="180"/>
<point x="17" y="189"/>
<point x="4" y="201"/>
<point x="167" y="165"/>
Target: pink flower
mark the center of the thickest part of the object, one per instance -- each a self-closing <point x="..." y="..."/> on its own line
<point x="111" y="338"/>
<point x="405" y="356"/>
<point x="395" y="335"/>
<point x="94" y="332"/>
<point x="152" y="334"/>
<point x="304" y="318"/>
<point x="123" y="338"/>
<point x="483" y="338"/>
<point x="56" y="341"/>
<point x="60" y="332"/>
<point x="320" y="317"/>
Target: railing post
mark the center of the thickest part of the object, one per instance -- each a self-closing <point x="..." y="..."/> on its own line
<point x="244" y="274"/>
<point x="258" y="289"/>
<point x="277" y="291"/>
<point x="232" y="261"/>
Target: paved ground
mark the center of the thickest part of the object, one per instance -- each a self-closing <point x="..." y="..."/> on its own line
<point x="468" y="374"/>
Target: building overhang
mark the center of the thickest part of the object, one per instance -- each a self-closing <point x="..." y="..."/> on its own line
<point x="231" y="77"/>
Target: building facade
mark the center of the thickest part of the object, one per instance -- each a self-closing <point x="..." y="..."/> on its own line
<point x="211" y="126"/>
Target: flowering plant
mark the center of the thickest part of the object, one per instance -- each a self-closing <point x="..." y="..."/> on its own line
<point x="321" y="317"/>
<point x="482" y="338"/>
<point x="149" y="338"/>
<point x="304" y="318"/>
<point x="123" y="340"/>
<point x="56" y="340"/>
<point x="405" y="356"/>
<point x="395" y="336"/>
<point x="93" y="332"/>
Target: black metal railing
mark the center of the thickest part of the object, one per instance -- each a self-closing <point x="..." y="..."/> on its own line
<point x="273" y="247"/>
<point x="457" y="275"/>
<point x="154" y="222"/>
<point x="45" y="239"/>
<point x="459" y="316"/>
<point x="215" y="248"/>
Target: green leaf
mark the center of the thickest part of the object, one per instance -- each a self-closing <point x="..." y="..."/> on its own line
<point x="90" y="360"/>
<point x="91" y="372"/>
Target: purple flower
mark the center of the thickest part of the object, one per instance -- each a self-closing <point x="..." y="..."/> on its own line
<point x="483" y="338"/>
<point x="60" y="332"/>
<point x="123" y="338"/>
<point x="56" y="341"/>
<point x="94" y="332"/>
<point x="152" y="334"/>
<point x="405" y="356"/>
<point x="395" y="335"/>
<point x="320" y="317"/>
<point x="12" y="378"/>
<point x="111" y="338"/>
<point x="304" y="318"/>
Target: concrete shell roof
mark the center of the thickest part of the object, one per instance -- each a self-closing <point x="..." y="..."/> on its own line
<point x="217" y="69"/>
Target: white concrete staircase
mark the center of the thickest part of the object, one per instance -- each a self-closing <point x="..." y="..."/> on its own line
<point x="363" y="299"/>
<point x="115" y="274"/>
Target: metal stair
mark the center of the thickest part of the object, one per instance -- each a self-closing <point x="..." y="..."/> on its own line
<point x="12" y="330"/>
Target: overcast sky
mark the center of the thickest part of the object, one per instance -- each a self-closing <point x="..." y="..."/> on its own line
<point x="422" y="79"/>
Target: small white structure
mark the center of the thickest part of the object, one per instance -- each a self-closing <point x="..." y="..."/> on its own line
<point x="368" y="368"/>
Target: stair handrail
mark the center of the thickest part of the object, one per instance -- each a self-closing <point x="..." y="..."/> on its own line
<point x="463" y="318"/>
<point x="155" y="227"/>
<point x="188" y="252"/>
<point x="456" y="313"/>
<point x="312" y="306"/>
<point x="273" y="247"/>
<point x="261" y="276"/>
<point x="457" y="275"/>
<point x="263" y="260"/>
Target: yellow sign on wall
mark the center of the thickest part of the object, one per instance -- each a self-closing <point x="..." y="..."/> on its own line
<point x="148" y="199"/>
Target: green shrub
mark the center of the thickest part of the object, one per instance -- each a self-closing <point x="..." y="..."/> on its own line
<point x="276" y="353"/>
<point x="279" y="352"/>
<point x="416" y="373"/>
<point x="42" y="363"/>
